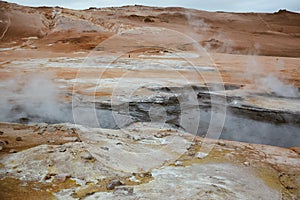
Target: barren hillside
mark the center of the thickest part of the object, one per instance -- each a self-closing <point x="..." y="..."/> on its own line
<point x="272" y="34"/>
<point x="141" y="102"/>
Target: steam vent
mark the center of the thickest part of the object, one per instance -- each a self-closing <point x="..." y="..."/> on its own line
<point x="139" y="102"/>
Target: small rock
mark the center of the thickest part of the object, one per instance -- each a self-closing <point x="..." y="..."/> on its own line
<point x="2" y="144"/>
<point x="51" y="141"/>
<point x="143" y="174"/>
<point x="64" y="128"/>
<point x="105" y="148"/>
<point x="71" y="131"/>
<point x="50" y="163"/>
<point x="1" y="132"/>
<point x="238" y="149"/>
<point x="119" y="143"/>
<point x="71" y="139"/>
<point x="41" y="131"/>
<point x="123" y="190"/>
<point x="112" y="184"/>
<point x="12" y="151"/>
<point x="288" y="187"/>
<point x="19" y="139"/>
<point x="296" y="149"/>
<point x="86" y="155"/>
<point x="148" y="20"/>
<point x="247" y="164"/>
<point x="281" y="174"/>
<point x="178" y="163"/>
<point x="191" y="153"/>
<point x="61" y="177"/>
<point x="221" y="143"/>
<point x="62" y="149"/>
<point x="86" y="191"/>
<point x="136" y="138"/>
<point x="42" y="125"/>
<point x="161" y="134"/>
<point x="49" y="176"/>
<point x="188" y="148"/>
<point x="134" y="179"/>
<point x="51" y="129"/>
<point x="50" y="151"/>
<point x="32" y="47"/>
<point x="201" y="155"/>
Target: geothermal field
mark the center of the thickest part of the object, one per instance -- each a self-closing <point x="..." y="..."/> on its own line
<point x="140" y="102"/>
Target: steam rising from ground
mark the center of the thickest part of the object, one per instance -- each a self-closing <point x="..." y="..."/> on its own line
<point x="274" y="84"/>
<point x="270" y="82"/>
<point x="33" y="96"/>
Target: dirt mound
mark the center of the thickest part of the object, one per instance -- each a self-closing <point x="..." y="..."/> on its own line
<point x="271" y="34"/>
<point x="284" y="11"/>
<point x="22" y="22"/>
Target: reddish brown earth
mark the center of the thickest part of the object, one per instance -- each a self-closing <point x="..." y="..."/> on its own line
<point x="234" y="49"/>
<point x="275" y="35"/>
<point x="271" y="34"/>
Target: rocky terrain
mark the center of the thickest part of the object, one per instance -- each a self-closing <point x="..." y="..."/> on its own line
<point x="144" y="102"/>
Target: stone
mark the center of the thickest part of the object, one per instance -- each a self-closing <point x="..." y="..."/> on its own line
<point x="32" y="47"/>
<point x="123" y="190"/>
<point x="221" y="143"/>
<point x="143" y="174"/>
<point x="114" y="183"/>
<point x="191" y="153"/>
<point x="2" y="144"/>
<point x="136" y="138"/>
<point x="148" y="20"/>
<point x="86" y="155"/>
<point x="19" y="139"/>
<point x="50" y="163"/>
<point x="62" y="149"/>
<point x="49" y="176"/>
<point x="50" y="151"/>
<point x="51" y="141"/>
<point x="64" y="128"/>
<point x="42" y="125"/>
<point x="86" y="191"/>
<point x="51" y="129"/>
<point x="41" y="131"/>
<point x="296" y="149"/>
<point x="61" y="177"/>
<point x="201" y="155"/>
<point x="178" y="163"/>
<point x="247" y="164"/>
<point x="105" y="148"/>
<point x="161" y="134"/>
<point x="71" y="131"/>
<point x="12" y="151"/>
<point x="71" y="139"/>
<point x="1" y="132"/>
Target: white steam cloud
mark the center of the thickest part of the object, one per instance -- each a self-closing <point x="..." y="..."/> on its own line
<point x="269" y="82"/>
<point x="32" y="97"/>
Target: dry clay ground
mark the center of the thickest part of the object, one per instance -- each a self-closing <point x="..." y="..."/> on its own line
<point x="125" y="53"/>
